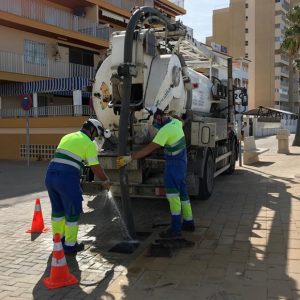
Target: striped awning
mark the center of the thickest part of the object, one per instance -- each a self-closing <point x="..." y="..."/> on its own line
<point x="44" y="86"/>
<point x="70" y="94"/>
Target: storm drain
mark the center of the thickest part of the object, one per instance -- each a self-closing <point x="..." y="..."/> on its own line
<point x="128" y="247"/>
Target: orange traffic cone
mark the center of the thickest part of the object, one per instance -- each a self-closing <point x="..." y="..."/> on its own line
<point x="37" y="225"/>
<point x="59" y="274"/>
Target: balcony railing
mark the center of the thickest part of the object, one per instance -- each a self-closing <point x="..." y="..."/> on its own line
<point x="33" y="9"/>
<point x="48" y="111"/>
<point x="18" y="63"/>
<point x="127" y="4"/>
<point x="178" y="2"/>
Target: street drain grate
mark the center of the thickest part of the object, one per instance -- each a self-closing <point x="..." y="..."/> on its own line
<point x="128" y="247"/>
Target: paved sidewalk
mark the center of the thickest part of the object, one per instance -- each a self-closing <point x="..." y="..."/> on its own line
<point x="247" y="240"/>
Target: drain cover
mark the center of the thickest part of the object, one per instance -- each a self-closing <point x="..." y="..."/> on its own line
<point x="160" y="250"/>
<point x="127" y="247"/>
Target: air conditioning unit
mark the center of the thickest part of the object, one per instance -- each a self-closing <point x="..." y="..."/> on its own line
<point x="79" y="12"/>
<point x="56" y="52"/>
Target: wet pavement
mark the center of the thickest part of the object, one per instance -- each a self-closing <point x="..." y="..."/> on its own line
<point x="247" y="239"/>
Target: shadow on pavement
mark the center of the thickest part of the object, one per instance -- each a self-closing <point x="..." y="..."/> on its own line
<point x="74" y="292"/>
<point x="263" y="164"/>
<point x="247" y="247"/>
<point x="18" y="180"/>
<point x="248" y="251"/>
<point x="96" y="267"/>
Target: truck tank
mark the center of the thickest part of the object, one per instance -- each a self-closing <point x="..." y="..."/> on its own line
<point x="158" y="82"/>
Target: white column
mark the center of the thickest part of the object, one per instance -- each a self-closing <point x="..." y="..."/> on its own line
<point x="77" y="102"/>
<point x="35" y="104"/>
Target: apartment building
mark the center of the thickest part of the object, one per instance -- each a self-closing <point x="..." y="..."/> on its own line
<point x="49" y="52"/>
<point x="254" y="29"/>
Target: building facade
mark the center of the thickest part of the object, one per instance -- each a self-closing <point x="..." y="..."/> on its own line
<point x="254" y="29"/>
<point x="50" y="53"/>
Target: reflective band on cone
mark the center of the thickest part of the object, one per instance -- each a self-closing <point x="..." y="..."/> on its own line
<point x="59" y="274"/>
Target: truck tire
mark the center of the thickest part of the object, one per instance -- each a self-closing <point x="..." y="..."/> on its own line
<point x="232" y="159"/>
<point x="206" y="184"/>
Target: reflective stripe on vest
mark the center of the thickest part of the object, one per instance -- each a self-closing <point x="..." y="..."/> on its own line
<point x="67" y="162"/>
<point x="175" y="148"/>
<point x="69" y="156"/>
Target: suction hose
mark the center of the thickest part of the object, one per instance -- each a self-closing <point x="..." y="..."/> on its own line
<point x="139" y="15"/>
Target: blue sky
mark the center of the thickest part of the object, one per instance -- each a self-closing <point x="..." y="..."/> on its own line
<point x="199" y="16"/>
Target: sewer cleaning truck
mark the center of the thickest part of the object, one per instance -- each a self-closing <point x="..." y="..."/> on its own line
<point x="155" y="63"/>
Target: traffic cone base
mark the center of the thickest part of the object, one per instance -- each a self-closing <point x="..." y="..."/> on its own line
<point x="30" y="230"/>
<point x="37" y="225"/>
<point x="50" y="284"/>
<point x="59" y="273"/>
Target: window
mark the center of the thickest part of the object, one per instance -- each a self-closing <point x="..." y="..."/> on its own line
<point x="246" y="55"/>
<point x="35" y="52"/>
<point x="246" y="18"/>
<point x="246" y="43"/>
<point x="246" y="5"/>
<point x="246" y="30"/>
<point x="81" y="57"/>
<point x="279" y="39"/>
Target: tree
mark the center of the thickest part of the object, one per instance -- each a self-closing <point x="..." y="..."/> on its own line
<point x="291" y="44"/>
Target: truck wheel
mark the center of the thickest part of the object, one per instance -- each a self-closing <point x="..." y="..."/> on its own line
<point x="206" y="184"/>
<point x="232" y="160"/>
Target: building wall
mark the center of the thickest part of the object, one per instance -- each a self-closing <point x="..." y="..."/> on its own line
<point x="247" y="29"/>
<point x="221" y="27"/>
<point x="237" y="28"/>
<point x="8" y="102"/>
<point x="43" y="131"/>
<point x="295" y="2"/>
<point x="46" y="132"/>
<point x="15" y="41"/>
<point x="264" y="48"/>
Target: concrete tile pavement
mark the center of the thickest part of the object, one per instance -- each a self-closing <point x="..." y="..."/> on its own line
<point x="247" y="243"/>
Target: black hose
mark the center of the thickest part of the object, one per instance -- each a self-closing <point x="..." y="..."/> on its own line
<point x="138" y="15"/>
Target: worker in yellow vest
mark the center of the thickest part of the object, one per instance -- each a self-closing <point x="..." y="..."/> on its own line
<point x="63" y="180"/>
<point x="170" y="135"/>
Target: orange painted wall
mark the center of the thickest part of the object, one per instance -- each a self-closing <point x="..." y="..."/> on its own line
<point x="10" y="142"/>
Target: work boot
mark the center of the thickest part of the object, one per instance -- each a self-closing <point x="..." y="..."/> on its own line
<point x="188" y="226"/>
<point x="78" y="247"/>
<point x="169" y="234"/>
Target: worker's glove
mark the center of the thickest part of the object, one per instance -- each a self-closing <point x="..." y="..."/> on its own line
<point x="123" y="160"/>
<point x="106" y="184"/>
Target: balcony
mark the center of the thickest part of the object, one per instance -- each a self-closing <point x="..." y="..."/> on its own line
<point x="178" y="2"/>
<point x="281" y="59"/>
<point x="18" y="63"/>
<point x="127" y="4"/>
<point x="48" y="111"/>
<point x="282" y="5"/>
<point x="39" y="12"/>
